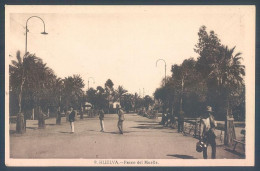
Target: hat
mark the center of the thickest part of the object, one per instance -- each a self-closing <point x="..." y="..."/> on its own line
<point x="209" y="109"/>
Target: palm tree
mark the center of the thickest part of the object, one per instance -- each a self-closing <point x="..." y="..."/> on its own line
<point x="18" y="72"/>
<point x="228" y="73"/>
<point x="73" y="92"/>
<point x="119" y="93"/>
<point x="32" y="81"/>
<point x="17" y="79"/>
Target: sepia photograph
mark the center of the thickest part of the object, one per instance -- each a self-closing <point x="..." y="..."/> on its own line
<point x="129" y="85"/>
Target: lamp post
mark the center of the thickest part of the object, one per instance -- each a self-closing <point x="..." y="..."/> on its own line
<point x="61" y="88"/>
<point x="26" y="33"/>
<point x="163" y="116"/>
<point x="58" y="117"/>
<point x="26" y="30"/>
<point x="164" y="68"/>
<point x="92" y="80"/>
<point x="21" y="121"/>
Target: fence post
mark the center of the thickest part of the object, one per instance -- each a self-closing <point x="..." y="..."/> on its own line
<point x="195" y="129"/>
<point x="229" y="131"/>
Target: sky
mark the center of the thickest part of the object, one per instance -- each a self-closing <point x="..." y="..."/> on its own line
<point x="123" y="43"/>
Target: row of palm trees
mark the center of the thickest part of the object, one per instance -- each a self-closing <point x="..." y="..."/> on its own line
<point x="35" y="89"/>
<point x="105" y="98"/>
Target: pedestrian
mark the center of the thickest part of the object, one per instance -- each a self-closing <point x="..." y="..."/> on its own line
<point x="207" y="132"/>
<point x="101" y="118"/>
<point x="41" y="119"/>
<point x="181" y="122"/>
<point x="72" y="119"/>
<point x="168" y="116"/>
<point x="121" y="119"/>
<point x="164" y="116"/>
<point x="67" y="114"/>
<point x="58" y="118"/>
<point x="81" y="113"/>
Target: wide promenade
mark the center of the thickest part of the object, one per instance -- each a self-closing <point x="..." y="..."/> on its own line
<point x="143" y="138"/>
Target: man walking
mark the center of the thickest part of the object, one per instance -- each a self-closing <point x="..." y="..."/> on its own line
<point x="72" y="119"/>
<point x="101" y="118"/>
<point x="181" y="122"/>
<point x="207" y="132"/>
<point x="121" y="119"/>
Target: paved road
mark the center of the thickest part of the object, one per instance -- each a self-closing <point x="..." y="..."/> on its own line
<point x="143" y="139"/>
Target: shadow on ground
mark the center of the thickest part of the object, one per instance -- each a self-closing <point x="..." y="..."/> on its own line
<point x="241" y="155"/>
<point x="125" y="132"/>
<point x="150" y="126"/>
<point x="51" y="124"/>
<point x="65" y="132"/>
<point x="148" y="122"/>
<point x="12" y="132"/>
<point x="181" y="156"/>
<point x="33" y="128"/>
<point x="111" y="132"/>
<point x="47" y="124"/>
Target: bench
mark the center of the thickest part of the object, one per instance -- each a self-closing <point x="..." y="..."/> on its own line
<point x="240" y="141"/>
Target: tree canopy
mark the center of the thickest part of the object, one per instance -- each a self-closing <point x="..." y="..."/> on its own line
<point x="216" y="78"/>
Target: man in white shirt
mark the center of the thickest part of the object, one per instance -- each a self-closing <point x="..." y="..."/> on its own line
<point x="121" y="119"/>
<point x="207" y="132"/>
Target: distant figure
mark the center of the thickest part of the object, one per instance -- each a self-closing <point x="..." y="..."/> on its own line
<point x="181" y="122"/>
<point x="168" y="117"/>
<point x="163" y="116"/>
<point x="67" y="114"/>
<point x="121" y="119"/>
<point x="41" y="119"/>
<point x="207" y="132"/>
<point x="101" y="118"/>
<point x="58" y="118"/>
<point x="72" y="119"/>
<point x="81" y="113"/>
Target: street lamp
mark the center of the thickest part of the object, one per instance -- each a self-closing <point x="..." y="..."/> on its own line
<point x="164" y="68"/>
<point x="26" y="30"/>
<point x="21" y="122"/>
<point x="92" y="80"/>
<point x="61" y="87"/>
<point x="163" y="117"/>
<point x="58" y="118"/>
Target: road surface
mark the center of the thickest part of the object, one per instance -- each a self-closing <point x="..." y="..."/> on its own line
<point x="143" y="138"/>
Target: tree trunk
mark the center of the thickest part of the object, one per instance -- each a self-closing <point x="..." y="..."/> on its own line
<point x="33" y="114"/>
<point x="229" y="127"/>
<point x="20" y="125"/>
<point x="20" y="121"/>
<point x="182" y="85"/>
<point x="58" y="118"/>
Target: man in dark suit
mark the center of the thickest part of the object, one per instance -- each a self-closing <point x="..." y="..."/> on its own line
<point x="101" y="118"/>
<point x="72" y="119"/>
<point x="181" y="122"/>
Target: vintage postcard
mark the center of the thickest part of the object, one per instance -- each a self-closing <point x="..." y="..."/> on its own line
<point x="129" y="85"/>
